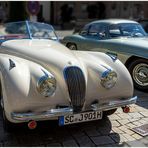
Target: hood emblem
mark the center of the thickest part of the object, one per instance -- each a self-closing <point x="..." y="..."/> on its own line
<point x="12" y="64"/>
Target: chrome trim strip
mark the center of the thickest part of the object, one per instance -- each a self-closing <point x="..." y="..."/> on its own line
<point x="28" y="29"/>
<point x="68" y="110"/>
<point x="41" y="115"/>
<point x="113" y="104"/>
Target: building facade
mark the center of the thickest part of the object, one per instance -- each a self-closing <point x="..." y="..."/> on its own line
<point x="58" y="12"/>
<point x="102" y="9"/>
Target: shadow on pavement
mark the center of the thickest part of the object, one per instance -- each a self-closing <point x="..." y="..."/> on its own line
<point x="48" y="133"/>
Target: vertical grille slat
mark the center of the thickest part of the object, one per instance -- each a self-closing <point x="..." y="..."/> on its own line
<point x="76" y="86"/>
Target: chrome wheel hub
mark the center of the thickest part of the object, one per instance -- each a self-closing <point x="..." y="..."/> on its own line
<point x="140" y="74"/>
<point x="72" y="47"/>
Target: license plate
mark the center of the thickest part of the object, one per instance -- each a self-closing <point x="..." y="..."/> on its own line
<point x="81" y="117"/>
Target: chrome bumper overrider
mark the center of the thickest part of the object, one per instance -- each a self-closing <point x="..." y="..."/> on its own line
<point x="69" y="110"/>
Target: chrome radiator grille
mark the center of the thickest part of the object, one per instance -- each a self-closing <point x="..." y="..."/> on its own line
<point x="76" y="86"/>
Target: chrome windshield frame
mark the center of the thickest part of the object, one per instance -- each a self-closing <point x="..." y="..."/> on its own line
<point x="28" y="29"/>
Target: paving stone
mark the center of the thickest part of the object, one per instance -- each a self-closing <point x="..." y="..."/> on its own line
<point x="124" y="116"/>
<point x="77" y="134"/>
<point x="92" y="132"/>
<point x="135" y="143"/>
<point x="123" y="128"/>
<point x="119" y="110"/>
<point x="11" y="143"/>
<point x="142" y="121"/>
<point x="122" y="138"/>
<point x="141" y="109"/>
<point x="133" y="109"/>
<point x="85" y="141"/>
<point x="136" y="136"/>
<point x="130" y="125"/>
<point x="118" y="137"/>
<point x="127" y="136"/>
<point x="101" y="140"/>
<point x="115" y="123"/>
<point x="114" y="117"/>
<point x="88" y="127"/>
<point x="117" y="144"/>
<point x="129" y="132"/>
<point x="135" y="115"/>
<point x="146" y="119"/>
<point x="104" y="131"/>
<point x="134" y="119"/>
<point x="137" y="123"/>
<point x="70" y="143"/>
<point x="117" y="130"/>
<point x="144" y="140"/>
<point x="106" y="145"/>
<point x="115" y="137"/>
<point x="54" y="145"/>
<point x="145" y="114"/>
<point x="123" y="121"/>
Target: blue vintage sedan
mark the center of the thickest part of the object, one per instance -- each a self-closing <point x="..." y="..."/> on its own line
<point x="120" y="38"/>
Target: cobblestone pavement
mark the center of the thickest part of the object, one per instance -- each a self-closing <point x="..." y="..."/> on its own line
<point x="112" y="131"/>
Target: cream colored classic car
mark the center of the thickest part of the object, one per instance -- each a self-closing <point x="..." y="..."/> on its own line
<point x="41" y="79"/>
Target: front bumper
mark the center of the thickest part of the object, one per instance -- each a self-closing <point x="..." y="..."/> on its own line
<point x="24" y="117"/>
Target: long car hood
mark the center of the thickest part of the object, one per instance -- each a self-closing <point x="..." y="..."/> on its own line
<point x="133" y="46"/>
<point x="40" y="51"/>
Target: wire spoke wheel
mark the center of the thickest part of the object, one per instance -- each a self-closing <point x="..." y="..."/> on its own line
<point x="140" y="74"/>
<point x="72" y="46"/>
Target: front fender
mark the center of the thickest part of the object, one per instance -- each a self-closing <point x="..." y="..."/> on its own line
<point x="18" y="79"/>
<point x="15" y="80"/>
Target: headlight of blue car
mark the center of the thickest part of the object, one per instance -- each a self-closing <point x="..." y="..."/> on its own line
<point x="46" y="85"/>
<point x="108" y="79"/>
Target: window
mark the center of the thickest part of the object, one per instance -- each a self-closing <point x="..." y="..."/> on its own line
<point x="84" y="31"/>
<point x="126" y="29"/>
<point x="98" y="30"/>
<point x="114" y="31"/>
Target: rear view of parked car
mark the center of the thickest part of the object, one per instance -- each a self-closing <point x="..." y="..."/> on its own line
<point x="124" y="39"/>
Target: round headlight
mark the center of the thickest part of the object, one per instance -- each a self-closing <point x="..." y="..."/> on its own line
<point x="46" y="85"/>
<point x="108" y="79"/>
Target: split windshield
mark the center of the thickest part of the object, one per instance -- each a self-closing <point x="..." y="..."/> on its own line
<point x="27" y="30"/>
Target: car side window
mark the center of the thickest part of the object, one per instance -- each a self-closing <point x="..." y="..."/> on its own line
<point x="84" y="31"/>
<point x="97" y="30"/>
<point x="114" y="31"/>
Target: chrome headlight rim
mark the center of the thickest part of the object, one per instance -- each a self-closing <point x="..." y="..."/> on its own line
<point x="109" y="79"/>
<point x="46" y="85"/>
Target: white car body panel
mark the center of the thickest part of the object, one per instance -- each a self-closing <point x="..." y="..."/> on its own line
<point x="32" y="56"/>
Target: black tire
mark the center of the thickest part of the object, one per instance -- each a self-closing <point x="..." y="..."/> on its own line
<point x="72" y="46"/>
<point x="139" y="72"/>
<point x="109" y="112"/>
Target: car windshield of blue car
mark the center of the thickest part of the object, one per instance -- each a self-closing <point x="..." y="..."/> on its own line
<point x="26" y="30"/>
<point x="126" y="30"/>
